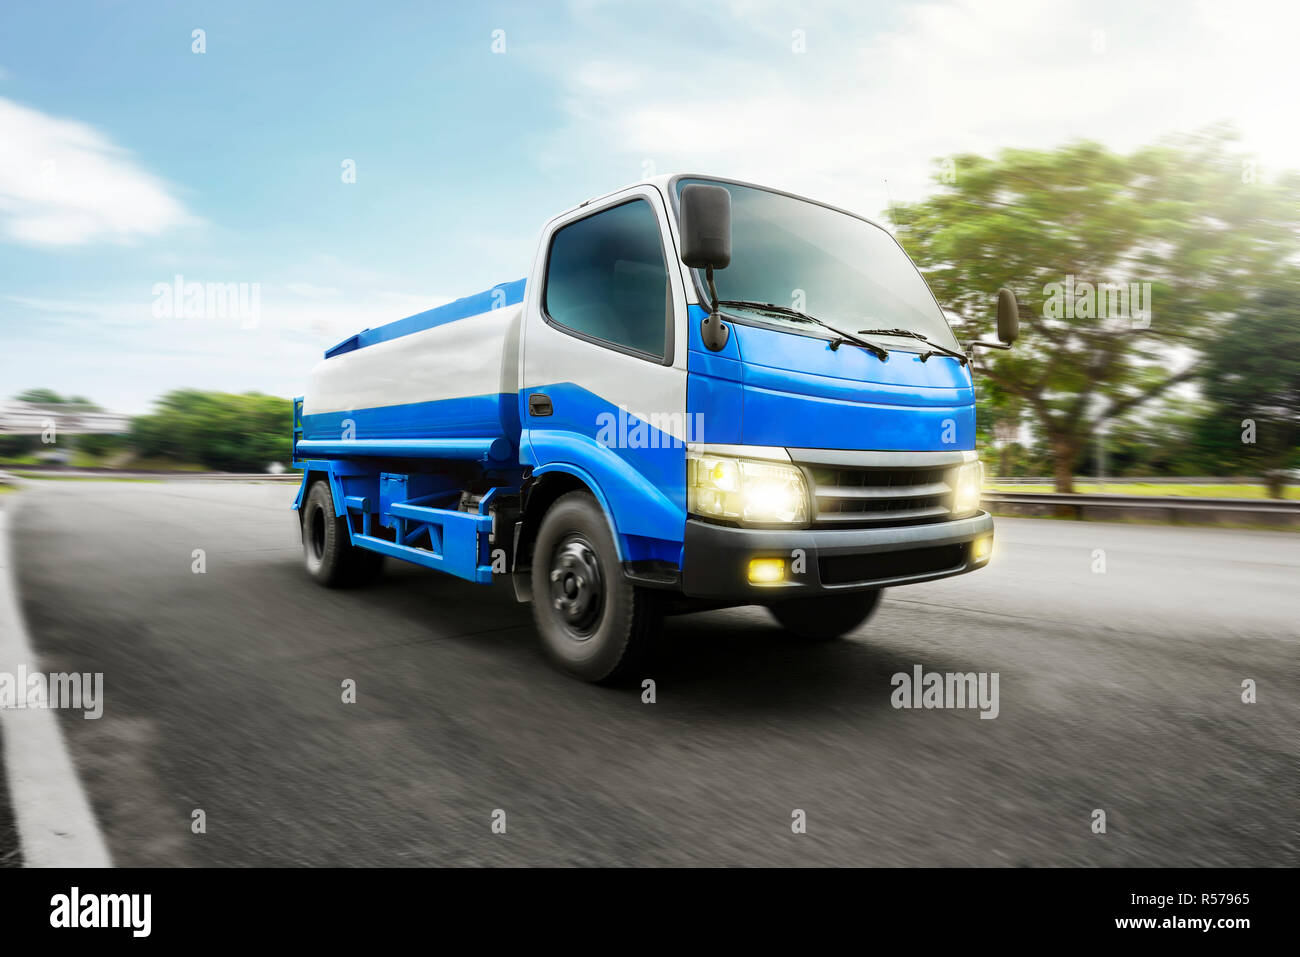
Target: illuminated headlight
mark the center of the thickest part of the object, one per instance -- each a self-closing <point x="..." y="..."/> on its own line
<point x="969" y="486"/>
<point x="745" y="490"/>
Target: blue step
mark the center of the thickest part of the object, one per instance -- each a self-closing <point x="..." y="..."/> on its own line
<point x="441" y="538"/>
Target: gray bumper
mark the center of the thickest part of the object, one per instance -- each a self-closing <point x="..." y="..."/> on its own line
<point x="825" y="561"/>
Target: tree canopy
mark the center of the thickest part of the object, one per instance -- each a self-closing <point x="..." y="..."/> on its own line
<point x="1180" y="239"/>
<point x="1252" y="378"/>
<point x="225" y="432"/>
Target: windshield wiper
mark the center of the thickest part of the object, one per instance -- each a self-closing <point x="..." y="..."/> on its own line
<point x="879" y="351"/>
<point x="935" y="348"/>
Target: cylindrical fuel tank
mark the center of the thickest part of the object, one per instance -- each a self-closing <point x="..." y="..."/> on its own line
<point x="446" y="374"/>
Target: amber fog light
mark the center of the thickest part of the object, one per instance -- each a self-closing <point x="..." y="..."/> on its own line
<point x="766" y="571"/>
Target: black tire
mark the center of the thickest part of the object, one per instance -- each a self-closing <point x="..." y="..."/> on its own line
<point x="593" y="623"/>
<point x="327" y="550"/>
<point x="826" y="617"/>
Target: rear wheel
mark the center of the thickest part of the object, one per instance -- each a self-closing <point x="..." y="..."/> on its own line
<point x="593" y="623"/>
<point x="327" y="549"/>
<point x="825" y="617"/>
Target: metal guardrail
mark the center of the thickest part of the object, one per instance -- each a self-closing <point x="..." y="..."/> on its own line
<point x="1169" y="508"/>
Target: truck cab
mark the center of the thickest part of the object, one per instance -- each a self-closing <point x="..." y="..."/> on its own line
<point x="704" y="393"/>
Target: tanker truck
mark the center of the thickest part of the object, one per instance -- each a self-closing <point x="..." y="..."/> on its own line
<point x="706" y="393"/>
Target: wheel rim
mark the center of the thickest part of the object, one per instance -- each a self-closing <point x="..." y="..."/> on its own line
<point x="577" y="587"/>
<point x="316" y="534"/>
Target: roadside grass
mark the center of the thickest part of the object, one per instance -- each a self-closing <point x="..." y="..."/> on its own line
<point x="103" y="477"/>
<point x="161" y="465"/>
<point x="1159" y="489"/>
<point x="80" y="460"/>
<point x="1150" y="522"/>
<point x="76" y="460"/>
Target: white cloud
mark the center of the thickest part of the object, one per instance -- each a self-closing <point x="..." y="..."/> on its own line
<point x="63" y="183"/>
<point x="607" y="76"/>
<point x="877" y="98"/>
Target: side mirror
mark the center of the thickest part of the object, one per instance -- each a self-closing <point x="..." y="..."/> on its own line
<point x="706" y="226"/>
<point x="1008" y="316"/>
<point x="1008" y="323"/>
<point x="705" y="222"/>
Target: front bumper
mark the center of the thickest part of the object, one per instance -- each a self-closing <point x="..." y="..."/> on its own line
<point x="826" y="561"/>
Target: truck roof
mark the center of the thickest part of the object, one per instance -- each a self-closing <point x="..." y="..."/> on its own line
<point x="661" y="182"/>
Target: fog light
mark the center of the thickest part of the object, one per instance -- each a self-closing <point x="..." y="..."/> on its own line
<point x="981" y="549"/>
<point x="766" y="571"/>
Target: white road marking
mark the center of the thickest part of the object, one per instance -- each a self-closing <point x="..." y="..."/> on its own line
<point x="55" y="824"/>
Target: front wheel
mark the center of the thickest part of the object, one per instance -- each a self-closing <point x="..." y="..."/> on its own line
<point x="825" y="617"/>
<point x="593" y="623"/>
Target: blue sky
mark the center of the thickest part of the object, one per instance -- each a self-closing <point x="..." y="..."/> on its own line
<point x="126" y="158"/>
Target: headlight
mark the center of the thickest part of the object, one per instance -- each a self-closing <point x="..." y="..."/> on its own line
<point x="969" y="487"/>
<point x="745" y="490"/>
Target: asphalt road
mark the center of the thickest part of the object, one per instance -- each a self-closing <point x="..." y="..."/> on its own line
<point x="1119" y="691"/>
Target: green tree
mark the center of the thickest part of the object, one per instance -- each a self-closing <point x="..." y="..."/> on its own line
<point x="41" y="397"/>
<point x="50" y="397"/>
<point x="1189" y="217"/>
<point x="225" y="432"/>
<point x="1252" y="378"/>
<point x="1160" y="439"/>
<point x="997" y="428"/>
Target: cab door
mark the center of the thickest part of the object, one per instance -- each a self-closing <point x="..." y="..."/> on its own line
<point x="603" y="372"/>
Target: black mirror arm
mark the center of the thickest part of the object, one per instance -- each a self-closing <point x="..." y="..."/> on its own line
<point x="713" y="290"/>
<point x="712" y="330"/>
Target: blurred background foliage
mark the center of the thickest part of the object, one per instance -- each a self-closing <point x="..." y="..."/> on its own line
<point x="218" y="430"/>
<point x="1219" y="243"/>
<point x="189" y="429"/>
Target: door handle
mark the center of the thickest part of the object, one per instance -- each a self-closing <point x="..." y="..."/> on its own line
<point x="539" y="403"/>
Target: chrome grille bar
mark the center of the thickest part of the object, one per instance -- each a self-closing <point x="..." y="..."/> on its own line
<point x="879" y="488"/>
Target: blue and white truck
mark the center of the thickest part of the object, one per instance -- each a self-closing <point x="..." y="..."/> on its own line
<point x="705" y="393"/>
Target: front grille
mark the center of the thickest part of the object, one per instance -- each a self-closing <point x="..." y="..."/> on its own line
<point x="848" y="496"/>
<point x="882" y="566"/>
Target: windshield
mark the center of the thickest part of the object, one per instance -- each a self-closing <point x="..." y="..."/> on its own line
<point x="828" y="264"/>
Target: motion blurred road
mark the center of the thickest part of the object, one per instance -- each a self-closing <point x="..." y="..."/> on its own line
<point x="1119" y="691"/>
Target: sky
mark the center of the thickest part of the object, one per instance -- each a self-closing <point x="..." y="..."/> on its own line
<point x="356" y="163"/>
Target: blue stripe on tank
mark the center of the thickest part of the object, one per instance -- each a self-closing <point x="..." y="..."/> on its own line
<point x="476" y="416"/>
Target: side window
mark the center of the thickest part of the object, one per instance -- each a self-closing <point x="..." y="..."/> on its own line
<point x="606" y="279"/>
